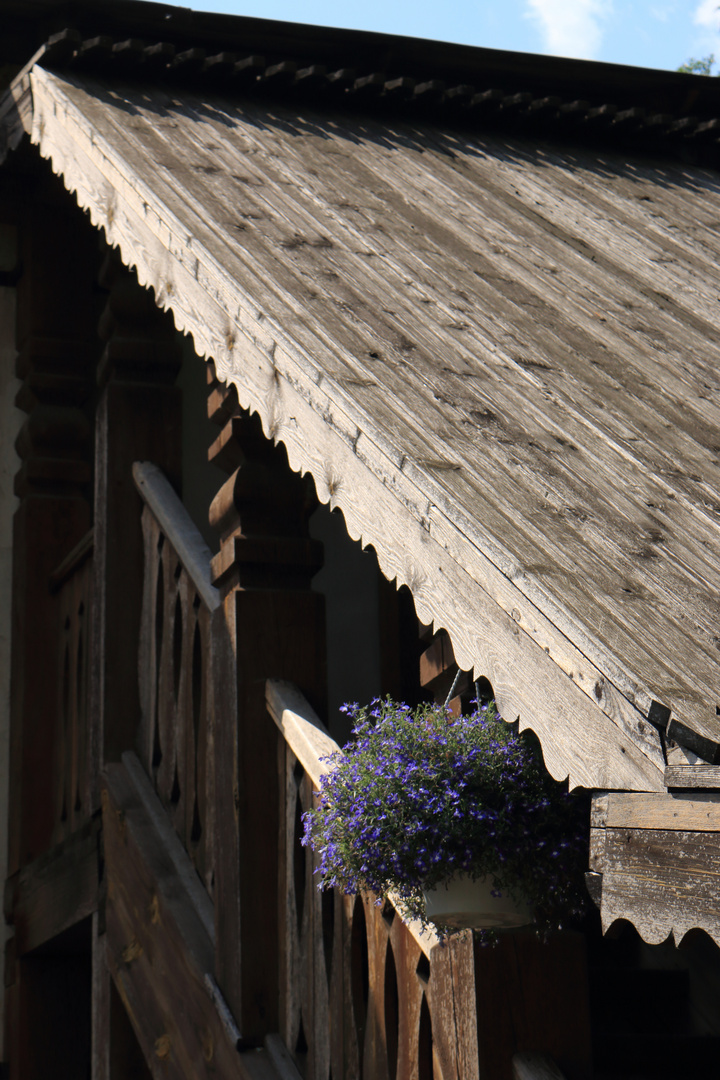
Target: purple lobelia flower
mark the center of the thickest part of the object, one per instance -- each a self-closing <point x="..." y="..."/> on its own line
<point x="419" y="795"/>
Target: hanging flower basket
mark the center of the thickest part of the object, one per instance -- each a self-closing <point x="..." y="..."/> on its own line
<point x="419" y="798"/>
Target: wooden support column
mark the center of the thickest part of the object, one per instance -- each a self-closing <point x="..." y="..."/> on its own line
<point x="269" y="625"/>
<point x="138" y="418"/>
<point x="56" y="339"/>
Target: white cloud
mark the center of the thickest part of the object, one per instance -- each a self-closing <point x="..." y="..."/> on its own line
<point x="573" y="27"/>
<point x="707" y="14"/>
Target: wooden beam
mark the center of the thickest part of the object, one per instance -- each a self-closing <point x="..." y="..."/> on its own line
<point x="56" y="891"/>
<point x="158" y="948"/>
<point x="693" y="776"/>
<point x="178" y="527"/>
<point x="303" y="731"/>
<point x="636" y="810"/>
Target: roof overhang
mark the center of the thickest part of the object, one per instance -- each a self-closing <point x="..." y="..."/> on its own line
<point x="587" y="702"/>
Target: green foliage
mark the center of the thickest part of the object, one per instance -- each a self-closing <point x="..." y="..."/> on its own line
<point x="704" y="66"/>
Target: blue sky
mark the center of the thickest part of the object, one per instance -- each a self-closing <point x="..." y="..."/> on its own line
<point x="648" y="33"/>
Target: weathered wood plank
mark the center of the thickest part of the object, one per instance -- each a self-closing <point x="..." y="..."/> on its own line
<point x="56" y="891"/>
<point x="452" y="996"/>
<point x="178" y="527"/>
<point x="607" y="647"/>
<point x="158" y="948"/>
<point x="663" y="881"/>
<point x="684" y="812"/>
<point x="693" y="776"/>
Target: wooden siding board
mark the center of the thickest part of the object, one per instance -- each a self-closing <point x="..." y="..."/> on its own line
<point x="629" y="453"/>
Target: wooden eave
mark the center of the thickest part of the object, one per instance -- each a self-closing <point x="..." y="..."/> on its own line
<point x="497" y="358"/>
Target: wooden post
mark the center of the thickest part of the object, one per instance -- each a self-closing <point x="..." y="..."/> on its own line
<point x="56" y="339"/>
<point x="138" y="418"/>
<point x="270" y="625"/>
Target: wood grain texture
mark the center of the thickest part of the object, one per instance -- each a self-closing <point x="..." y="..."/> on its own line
<point x="668" y="888"/>
<point x="56" y="891"/>
<point x="692" y="776"/>
<point x="178" y="527"/>
<point x="621" y="810"/>
<point x="661" y="880"/>
<point x="342" y="367"/>
<point x="158" y="948"/>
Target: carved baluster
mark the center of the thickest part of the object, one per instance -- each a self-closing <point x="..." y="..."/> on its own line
<point x="270" y="624"/>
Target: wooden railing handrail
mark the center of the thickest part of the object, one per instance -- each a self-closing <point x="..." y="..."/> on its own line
<point x="175" y="522"/>
<point x="310" y="742"/>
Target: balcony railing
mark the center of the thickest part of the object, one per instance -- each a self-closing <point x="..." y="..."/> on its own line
<point x="363" y="994"/>
<point x="176" y="648"/>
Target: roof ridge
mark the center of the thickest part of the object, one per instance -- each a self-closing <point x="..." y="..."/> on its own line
<point x="516" y="111"/>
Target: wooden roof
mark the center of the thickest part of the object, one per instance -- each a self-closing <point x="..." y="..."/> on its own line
<point x="498" y="356"/>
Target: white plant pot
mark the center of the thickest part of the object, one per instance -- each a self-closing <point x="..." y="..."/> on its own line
<point x="466" y="904"/>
